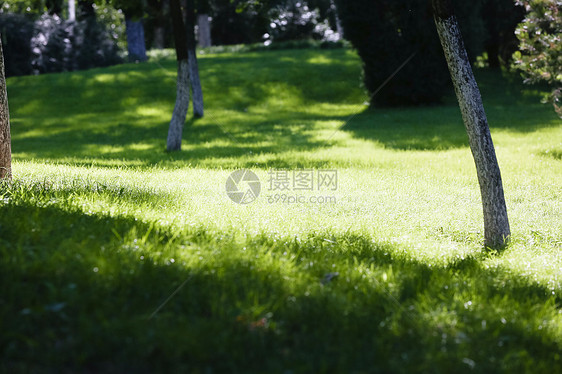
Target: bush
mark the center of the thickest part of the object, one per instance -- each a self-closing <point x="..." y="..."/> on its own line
<point x="50" y="44"/>
<point x="17" y="31"/>
<point x="540" y="44"/>
<point x="386" y="32"/>
<point x="295" y="20"/>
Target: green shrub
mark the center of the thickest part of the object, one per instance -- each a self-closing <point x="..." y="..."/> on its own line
<point x="50" y="44"/>
<point x="540" y="44"/>
<point x="16" y="30"/>
<point x="386" y="32"/>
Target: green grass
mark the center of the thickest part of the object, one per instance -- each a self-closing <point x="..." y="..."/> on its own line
<point x="101" y="227"/>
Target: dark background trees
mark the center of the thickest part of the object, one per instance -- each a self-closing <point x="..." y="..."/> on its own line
<point x="386" y="32"/>
<point x="39" y="37"/>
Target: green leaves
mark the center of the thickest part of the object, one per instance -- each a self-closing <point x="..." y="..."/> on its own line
<point x="540" y="44"/>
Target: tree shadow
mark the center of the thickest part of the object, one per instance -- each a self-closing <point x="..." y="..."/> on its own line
<point x="440" y="127"/>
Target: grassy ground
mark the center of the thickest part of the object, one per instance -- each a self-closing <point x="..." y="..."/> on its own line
<point x="116" y="256"/>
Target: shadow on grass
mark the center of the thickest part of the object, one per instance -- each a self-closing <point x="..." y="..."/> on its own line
<point x="510" y="106"/>
<point x="78" y="290"/>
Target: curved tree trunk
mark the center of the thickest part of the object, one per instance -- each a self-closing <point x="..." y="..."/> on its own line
<point x="5" y="139"/>
<point x="135" y="40"/>
<point x="496" y="224"/>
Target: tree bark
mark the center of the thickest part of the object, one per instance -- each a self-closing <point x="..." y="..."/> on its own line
<point x="180" y="109"/>
<point x="198" y="107"/>
<point x="5" y="139"/>
<point x="496" y="224"/>
<point x="182" y="87"/>
<point x="135" y="40"/>
<point x="160" y="10"/>
<point x="71" y="10"/>
<point x="203" y="31"/>
<point x="197" y="90"/>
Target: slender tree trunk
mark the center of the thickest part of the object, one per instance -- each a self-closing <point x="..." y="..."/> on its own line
<point x="175" y="130"/>
<point x="339" y="27"/>
<point x="198" y="108"/>
<point x="5" y="139"/>
<point x="71" y="10"/>
<point x="161" y="10"/>
<point x="135" y="40"/>
<point x="496" y="224"/>
<point x="197" y="90"/>
<point x="158" y="40"/>
<point x="204" y="31"/>
<point x="182" y="88"/>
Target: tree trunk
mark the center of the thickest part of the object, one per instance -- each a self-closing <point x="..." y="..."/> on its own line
<point x="180" y="109"/>
<point x="496" y="224"/>
<point x="135" y="40"/>
<point x="71" y="10"/>
<point x="197" y="90"/>
<point x="198" y="107"/>
<point x="5" y="139"/>
<point x="160" y="9"/>
<point x="182" y="87"/>
<point x="158" y="40"/>
<point x="203" y="31"/>
<point x="339" y="27"/>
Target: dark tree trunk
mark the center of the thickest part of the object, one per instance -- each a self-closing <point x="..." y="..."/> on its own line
<point x="496" y="224"/>
<point x="182" y="89"/>
<point x="160" y="9"/>
<point x="204" y="31"/>
<point x="135" y="40"/>
<point x="159" y="34"/>
<point x="196" y="88"/>
<point x="5" y="139"/>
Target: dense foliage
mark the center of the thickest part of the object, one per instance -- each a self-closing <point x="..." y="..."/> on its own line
<point x="540" y="55"/>
<point x="49" y="43"/>
<point x="386" y="32"/>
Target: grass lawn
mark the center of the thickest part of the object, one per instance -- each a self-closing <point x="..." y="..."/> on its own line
<point x="117" y="257"/>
